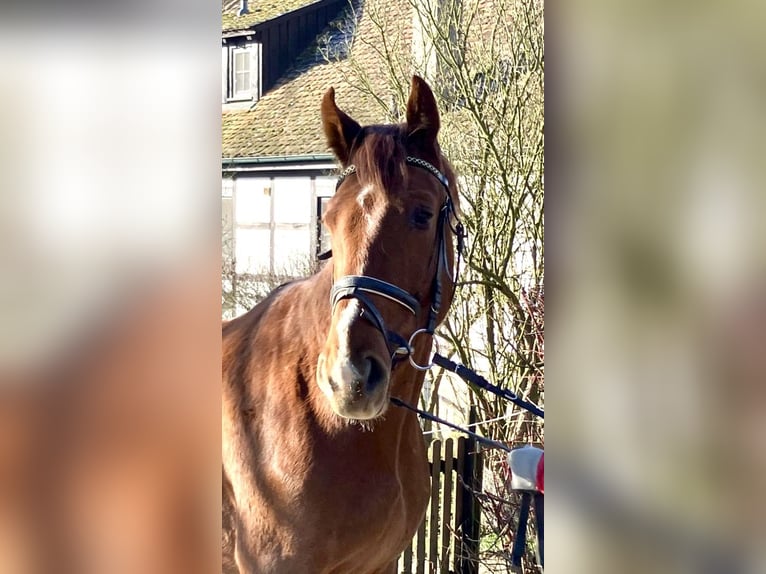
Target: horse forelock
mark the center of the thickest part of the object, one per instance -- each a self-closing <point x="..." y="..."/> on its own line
<point x="379" y="157"/>
<point x="380" y="153"/>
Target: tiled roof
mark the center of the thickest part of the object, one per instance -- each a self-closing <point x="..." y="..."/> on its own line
<point x="287" y="121"/>
<point x="259" y="11"/>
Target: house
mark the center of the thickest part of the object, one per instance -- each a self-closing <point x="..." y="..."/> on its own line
<point x="278" y="59"/>
<point x="272" y="178"/>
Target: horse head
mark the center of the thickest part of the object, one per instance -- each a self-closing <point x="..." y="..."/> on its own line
<point x="392" y="222"/>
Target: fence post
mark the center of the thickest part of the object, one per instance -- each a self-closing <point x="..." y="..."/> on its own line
<point x="459" y="513"/>
<point x="433" y="525"/>
<point x="478" y="486"/>
<point x="447" y="507"/>
<point x="469" y="524"/>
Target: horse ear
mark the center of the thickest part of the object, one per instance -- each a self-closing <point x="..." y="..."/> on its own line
<point x="422" y="113"/>
<point x="339" y="128"/>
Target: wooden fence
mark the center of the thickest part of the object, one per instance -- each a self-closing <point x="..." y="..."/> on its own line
<point x="447" y="541"/>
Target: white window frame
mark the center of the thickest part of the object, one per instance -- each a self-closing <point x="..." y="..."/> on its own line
<point x="254" y="91"/>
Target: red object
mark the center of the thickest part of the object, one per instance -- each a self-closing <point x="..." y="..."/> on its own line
<point x="540" y="479"/>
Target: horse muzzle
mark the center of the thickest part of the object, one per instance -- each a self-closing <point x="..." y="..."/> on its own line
<point x="357" y="388"/>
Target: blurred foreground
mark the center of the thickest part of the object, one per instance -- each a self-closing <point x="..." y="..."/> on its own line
<point x="656" y="314"/>
<point x="109" y="289"/>
<point x="109" y="453"/>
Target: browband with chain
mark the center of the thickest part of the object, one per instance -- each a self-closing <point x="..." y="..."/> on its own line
<point x="414" y="161"/>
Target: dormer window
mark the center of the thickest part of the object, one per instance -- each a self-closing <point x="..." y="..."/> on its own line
<point x="243" y="72"/>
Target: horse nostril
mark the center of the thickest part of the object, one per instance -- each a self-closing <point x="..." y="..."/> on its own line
<point x="375" y="371"/>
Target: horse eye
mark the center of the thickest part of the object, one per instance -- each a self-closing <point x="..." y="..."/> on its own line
<point x="421" y="217"/>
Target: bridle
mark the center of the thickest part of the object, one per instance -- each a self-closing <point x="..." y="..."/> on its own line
<point x="359" y="287"/>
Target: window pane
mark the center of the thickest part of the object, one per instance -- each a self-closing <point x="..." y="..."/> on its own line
<point x="325" y="186"/>
<point x="241" y="61"/>
<point x="241" y="71"/>
<point x="292" y="200"/>
<point x="253" y="200"/>
<point x="324" y="233"/>
<point x="241" y="82"/>
<point x="292" y="250"/>
<point x="252" y="250"/>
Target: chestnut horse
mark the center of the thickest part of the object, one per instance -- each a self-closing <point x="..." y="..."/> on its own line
<point x="319" y="474"/>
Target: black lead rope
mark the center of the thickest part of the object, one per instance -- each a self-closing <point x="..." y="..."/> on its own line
<point x="433" y="418"/>
<point x="473" y="377"/>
